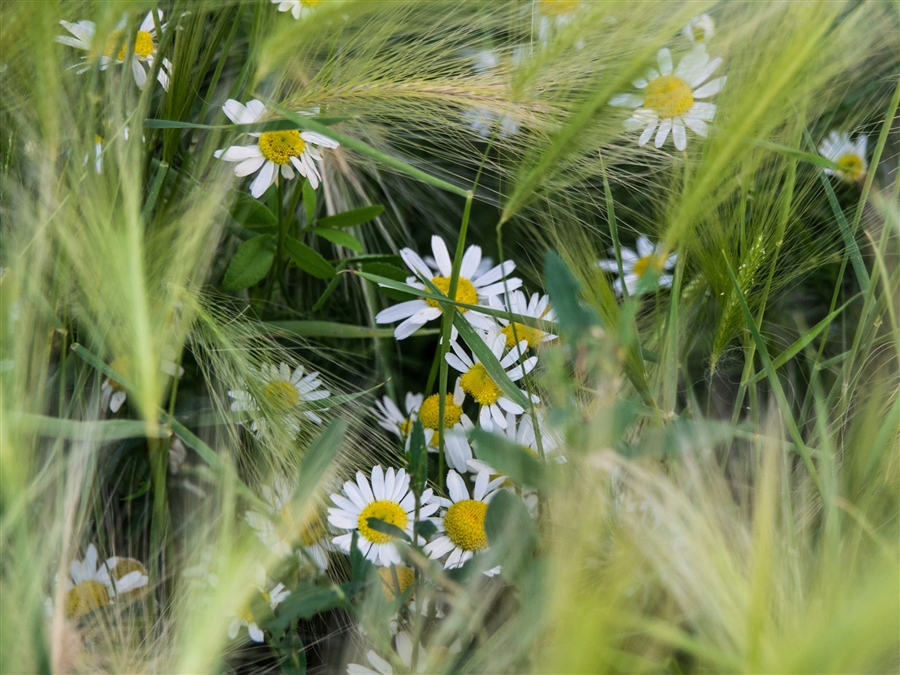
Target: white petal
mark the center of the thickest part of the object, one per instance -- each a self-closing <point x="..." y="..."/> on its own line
<point x="140" y="75"/>
<point x="679" y="137"/>
<point x="238" y="153"/>
<point x="648" y="132"/>
<point x="319" y="139"/>
<point x="664" y="127"/>
<point x="664" y="57"/>
<point x="403" y="310"/>
<point x="696" y="125"/>
<point x="415" y="263"/>
<point x="441" y="256"/>
<point x="627" y="101"/>
<point x="456" y="487"/>
<point x="472" y="259"/>
<point x="264" y="180"/>
<point x="710" y="88"/>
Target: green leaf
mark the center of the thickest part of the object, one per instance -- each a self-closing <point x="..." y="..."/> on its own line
<point x="512" y="534"/>
<point x="250" y="212"/>
<point x="381" y="269"/>
<point x="387" y="258"/>
<point x="308" y="260"/>
<point x="484" y="354"/>
<point x="305" y="602"/>
<point x="360" y="567"/>
<point x="386" y="528"/>
<point x="319" y="457"/>
<point x="251" y="263"/>
<point x="309" y="202"/>
<point x="352" y="218"/>
<point x="508" y="458"/>
<point x="108" y="430"/>
<point x="339" y="237"/>
<point x="573" y="317"/>
<point x="426" y="529"/>
<point x="329" y="329"/>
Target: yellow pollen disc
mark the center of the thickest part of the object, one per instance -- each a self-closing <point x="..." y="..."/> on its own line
<point x="651" y="261"/>
<point x="480" y="386"/>
<point x="86" y="597"/>
<point x="390" y="512"/>
<point x="280" y="146"/>
<point x="281" y="395"/>
<point x="121" y="365"/>
<point x="429" y="412"/>
<point x="126" y="566"/>
<point x="464" y="523"/>
<point x="465" y="292"/>
<point x="852" y="166"/>
<point x="310" y="3"/>
<point x="516" y="332"/>
<point x="143" y="45"/>
<point x="405" y="578"/>
<point x="669" y="96"/>
<point x="557" y="7"/>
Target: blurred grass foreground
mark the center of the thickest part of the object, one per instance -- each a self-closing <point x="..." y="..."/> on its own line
<point x="508" y="336"/>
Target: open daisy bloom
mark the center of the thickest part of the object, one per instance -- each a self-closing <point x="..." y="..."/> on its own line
<point x="116" y="44"/>
<point x="245" y="618"/>
<point x="699" y="29"/>
<point x="671" y="98"/>
<point x="851" y="155"/>
<point x="90" y="585"/>
<point x="279" y="524"/>
<point x="473" y="288"/>
<point x="462" y="523"/>
<point x="282" y="392"/>
<point x="649" y="258"/>
<point x="390" y="500"/>
<point x="298" y="8"/>
<point x="476" y="381"/>
<point x="538" y="307"/>
<point x="456" y="427"/>
<point x="275" y="151"/>
<point x="392" y="419"/>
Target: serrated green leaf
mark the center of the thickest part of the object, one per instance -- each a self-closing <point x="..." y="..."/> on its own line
<point x="308" y="260"/>
<point x="352" y="218"/>
<point x="251" y="263"/>
<point x="250" y="212"/>
<point x="339" y="237"/>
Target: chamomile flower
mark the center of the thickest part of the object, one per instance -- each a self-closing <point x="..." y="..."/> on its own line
<point x="699" y="29"/>
<point x="298" y="8"/>
<point x="275" y="151"/>
<point x="392" y="419"/>
<point x="90" y="586"/>
<point x="851" y="155"/>
<point x="476" y="381"/>
<point x="245" y="618"/>
<point x="281" y="392"/>
<point x="649" y="258"/>
<point x="128" y="577"/>
<point x="456" y="427"/>
<point x="472" y="288"/>
<point x="115" y="46"/>
<point x="389" y="499"/>
<point x="671" y="99"/>
<point x="279" y="530"/>
<point x="538" y="307"/>
<point x="462" y="524"/>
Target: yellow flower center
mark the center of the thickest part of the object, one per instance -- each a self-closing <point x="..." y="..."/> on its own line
<point x="651" y="261"/>
<point x="852" y="166"/>
<point x="310" y="3"/>
<point x="430" y="415"/>
<point x="669" y="96"/>
<point x="465" y="292"/>
<point x="479" y="384"/>
<point x="281" y="395"/>
<point x="246" y="615"/>
<point x="121" y="365"/>
<point x="464" y="523"/>
<point x="280" y="146"/>
<point x="557" y="7"/>
<point x="389" y="512"/>
<point x="86" y="597"/>
<point x="143" y="45"/>
<point x="405" y="578"/>
<point x="516" y="332"/>
<point x="126" y="566"/>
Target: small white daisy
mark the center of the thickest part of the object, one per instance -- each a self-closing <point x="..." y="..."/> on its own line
<point x="298" y="8"/>
<point x="271" y="527"/>
<point x="90" y="586"/>
<point x="476" y="381"/>
<point x="635" y="265"/>
<point x="274" y="152"/>
<point x="456" y="427"/>
<point x="245" y="618"/>
<point x="699" y="29"/>
<point x="671" y="99"/>
<point x="472" y="289"/>
<point x="145" y="47"/>
<point x="462" y="523"/>
<point x="280" y="392"/>
<point x="390" y="417"/>
<point x="851" y="155"/>
<point x="538" y="307"/>
<point x="389" y="499"/>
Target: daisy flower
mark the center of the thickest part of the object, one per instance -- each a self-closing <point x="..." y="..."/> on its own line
<point x="298" y="8"/>
<point x="128" y="576"/>
<point x="456" y="427"/>
<point x="280" y="392"/>
<point x="636" y="265"/>
<point x="245" y="618"/>
<point x="145" y="47"/>
<point x="851" y="155"/>
<point x="462" y="523"/>
<point x="538" y="307"/>
<point x="476" y="381"/>
<point x="671" y="99"/>
<point x="388" y="499"/>
<point x="390" y="417"/>
<point x="699" y="29"/>
<point x="89" y="585"/>
<point x="311" y="533"/>
<point x="274" y="152"/>
<point x="473" y="288"/>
